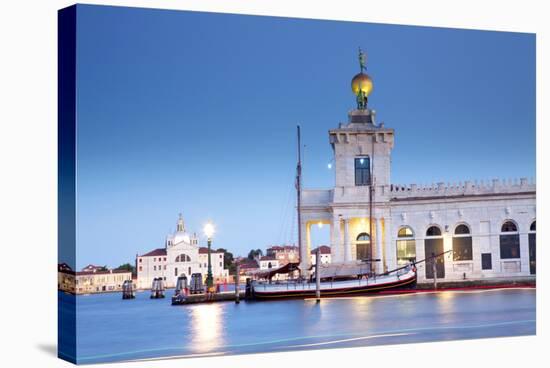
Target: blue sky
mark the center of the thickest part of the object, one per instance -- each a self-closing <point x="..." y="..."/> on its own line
<point x="196" y="113"/>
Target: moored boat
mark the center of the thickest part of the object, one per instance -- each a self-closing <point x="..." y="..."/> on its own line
<point x="356" y="285"/>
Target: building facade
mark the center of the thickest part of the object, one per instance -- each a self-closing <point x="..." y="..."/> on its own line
<point x="181" y="255"/>
<point x="324" y="253"/>
<point x="486" y="229"/>
<point x="91" y="279"/>
<point x="284" y="253"/>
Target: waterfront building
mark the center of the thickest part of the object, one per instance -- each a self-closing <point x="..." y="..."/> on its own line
<point x="181" y="255"/>
<point x="488" y="227"/>
<point x="90" y="280"/>
<point x="66" y="278"/>
<point x="284" y="253"/>
<point x="268" y="262"/>
<point x="247" y="266"/>
<point x="92" y="268"/>
<point x="324" y="253"/>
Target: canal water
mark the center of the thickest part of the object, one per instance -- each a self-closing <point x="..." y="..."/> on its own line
<point x="112" y="329"/>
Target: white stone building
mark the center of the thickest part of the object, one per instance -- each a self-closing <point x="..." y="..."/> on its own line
<point x="181" y="255"/>
<point x="268" y="262"/>
<point x="325" y="254"/>
<point x="488" y="226"/>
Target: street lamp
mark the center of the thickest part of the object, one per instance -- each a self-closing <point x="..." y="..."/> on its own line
<point x="209" y="232"/>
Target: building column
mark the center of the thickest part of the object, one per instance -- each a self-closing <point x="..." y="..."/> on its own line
<point x="336" y="240"/>
<point x="524" y="253"/>
<point x="390" y="244"/>
<point x="378" y="239"/>
<point x="305" y="238"/>
<point x="347" y="243"/>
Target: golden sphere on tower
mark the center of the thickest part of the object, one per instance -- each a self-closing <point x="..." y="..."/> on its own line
<point x="361" y="82"/>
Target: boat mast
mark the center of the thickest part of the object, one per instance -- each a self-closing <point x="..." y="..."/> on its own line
<point x="371" y="192"/>
<point x="299" y="195"/>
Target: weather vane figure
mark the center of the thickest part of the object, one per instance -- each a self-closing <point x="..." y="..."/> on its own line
<point x="361" y="84"/>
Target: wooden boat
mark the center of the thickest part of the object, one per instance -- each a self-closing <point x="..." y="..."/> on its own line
<point x="360" y="285"/>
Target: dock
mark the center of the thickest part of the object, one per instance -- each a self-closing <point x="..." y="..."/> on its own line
<point x="225" y="296"/>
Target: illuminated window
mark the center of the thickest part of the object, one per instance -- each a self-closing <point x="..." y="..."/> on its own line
<point x="406" y="246"/>
<point x="362" y="245"/>
<point x="362" y="171"/>
<point x="462" y="244"/>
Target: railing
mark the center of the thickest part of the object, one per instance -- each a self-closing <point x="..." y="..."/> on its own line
<point x="494" y="186"/>
<point x="306" y="285"/>
<point x="316" y="197"/>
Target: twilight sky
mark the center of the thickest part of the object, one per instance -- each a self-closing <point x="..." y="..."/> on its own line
<point x="196" y="113"/>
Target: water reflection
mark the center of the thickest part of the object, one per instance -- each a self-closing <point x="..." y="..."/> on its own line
<point x="163" y="330"/>
<point x="206" y="327"/>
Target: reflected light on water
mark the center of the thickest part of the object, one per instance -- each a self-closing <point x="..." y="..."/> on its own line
<point x="446" y="305"/>
<point x="206" y="327"/>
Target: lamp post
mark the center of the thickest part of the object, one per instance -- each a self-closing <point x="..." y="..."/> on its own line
<point x="209" y="232"/>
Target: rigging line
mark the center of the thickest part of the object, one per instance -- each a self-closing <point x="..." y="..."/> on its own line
<point x="283" y="216"/>
<point x="289" y="215"/>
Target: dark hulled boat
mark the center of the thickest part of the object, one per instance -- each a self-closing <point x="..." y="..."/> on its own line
<point x="358" y="285"/>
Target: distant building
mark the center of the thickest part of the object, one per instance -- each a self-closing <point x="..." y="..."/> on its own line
<point x="88" y="282"/>
<point x="247" y="265"/>
<point x="325" y="255"/>
<point x="66" y="278"/>
<point x="268" y="262"/>
<point x="92" y="268"/>
<point x="181" y="255"/>
<point x="284" y="253"/>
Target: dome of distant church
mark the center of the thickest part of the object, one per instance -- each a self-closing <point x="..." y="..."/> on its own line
<point x="361" y="82"/>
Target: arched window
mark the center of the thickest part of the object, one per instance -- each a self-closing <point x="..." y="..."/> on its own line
<point x="406" y="246"/>
<point x="433" y="231"/>
<point x="533" y="226"/>
<point x="509" y="241"/>
<point x="433" y="252"/>
<point x="183" y="258"/>
<point x="405" y="232"/>
<point x="363" y="248"/>
<point x="509" y="227"/>
<point x="363" y="237"/>
<point x="462" y="243"/>
<point x="462" y="230"/>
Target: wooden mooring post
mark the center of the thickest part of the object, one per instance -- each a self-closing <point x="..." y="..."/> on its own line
<point x="318" y="274"/>
<point x="434" y="269"/>
<point x="237" y="277"/>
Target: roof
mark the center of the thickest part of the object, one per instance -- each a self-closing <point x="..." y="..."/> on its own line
<point x="323" y="248"/>
<point x="84" y="273"/>
<point x="268" y="258"/>
<point x="156" y="252"/>
<point x="247" y="263"/>
<point x="65" y="268"/>
<point x="204" y="250"/>
<point x="92" y="267"/>
<point x="285" y="248"/>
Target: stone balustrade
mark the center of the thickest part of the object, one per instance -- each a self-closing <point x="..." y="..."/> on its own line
<point x="477" y="187"/>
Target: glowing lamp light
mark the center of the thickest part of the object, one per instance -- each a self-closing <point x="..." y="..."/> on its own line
<point x="362" y="161"/>
<point x="209" y="230"/>
<point x="320" y="224"/>
<point x="329" y="166"/>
